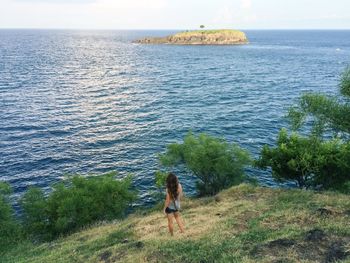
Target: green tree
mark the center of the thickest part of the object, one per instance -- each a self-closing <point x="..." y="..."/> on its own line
<point x="332" y="165"/>
<point x="216" y="163"/>
<point x="160" y="181"/>
<point x="325" y="112"/>
<point x="35" y="217"/>
<point x="80" y="202"/>
<point x="316" y="160"/>
<point x="9" y="229"/>
<point x="308" y="161"/>
<point x="202" y="26"/>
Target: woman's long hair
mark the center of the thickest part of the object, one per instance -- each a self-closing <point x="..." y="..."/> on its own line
<point x="172" y="184"/>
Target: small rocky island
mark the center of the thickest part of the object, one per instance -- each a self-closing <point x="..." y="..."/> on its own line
<point x="200" y="37"/>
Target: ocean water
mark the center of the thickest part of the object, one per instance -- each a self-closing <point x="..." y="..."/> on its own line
<point x="91" y="101"/>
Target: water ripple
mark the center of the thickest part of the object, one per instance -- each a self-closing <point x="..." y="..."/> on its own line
<point x="91" y="102"/>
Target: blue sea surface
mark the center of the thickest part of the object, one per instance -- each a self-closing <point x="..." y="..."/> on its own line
<point x="92" y="101"/>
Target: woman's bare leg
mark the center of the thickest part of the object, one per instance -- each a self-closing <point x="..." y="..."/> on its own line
<point x="179" y="221"/>
<point x="170" y="224"/>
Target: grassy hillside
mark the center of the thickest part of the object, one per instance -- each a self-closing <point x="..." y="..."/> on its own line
<point x="241" y="224"/>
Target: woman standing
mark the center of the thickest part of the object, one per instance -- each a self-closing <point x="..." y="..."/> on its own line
<point x="172" y="202"/>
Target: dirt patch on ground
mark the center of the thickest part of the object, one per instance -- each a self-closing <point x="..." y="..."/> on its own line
<point x="283" y="260"/>
<point x="336" y="251"/>
<point x="105" y="256"/>
<point x="315" y="246"/>
<point x="115" y="257"/>
<point x="315" y="235"/>
<point x="281" y="243"/>
<point x="137" y="244"/>
<point x="324" y="211"/>
<point x="82" y="239"/>
<point x="156" y="257"/>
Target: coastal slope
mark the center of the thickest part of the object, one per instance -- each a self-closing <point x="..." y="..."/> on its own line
<point x="200" y="37"/>
<point x="241" y="224"/>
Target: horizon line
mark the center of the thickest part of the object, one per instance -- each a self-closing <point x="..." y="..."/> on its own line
<point x="163" y="29"/>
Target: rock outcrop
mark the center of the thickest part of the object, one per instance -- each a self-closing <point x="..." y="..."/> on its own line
<point x="199" y="37"/>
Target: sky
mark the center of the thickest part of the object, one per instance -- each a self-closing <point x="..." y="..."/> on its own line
<point x="175" y="14"/>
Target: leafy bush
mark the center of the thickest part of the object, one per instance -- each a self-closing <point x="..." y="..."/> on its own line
<point x="324" y="112"/>
<point x="35" y="217"/>
<point x="160" y="181"/>
<point x="82" y="201"/>
<point x="9" y="228"/>
<point x="216" y="163"/>
<point x="322" y="158"/>
<point x="333" y="165"/>
<point x="345" y="83"/>
<point x="308" y="161"/>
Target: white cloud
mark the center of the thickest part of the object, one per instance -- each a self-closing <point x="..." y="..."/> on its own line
<point x="108" y="14"/>
<point x="250" y="18"/>
<point x="129" y="4"/>
<point x="56" y="1"/>
<point x="224" y="16"/>
<point x="166" y="14"/>
<point x="235" y="14"/>
<point x="246" y="4"/>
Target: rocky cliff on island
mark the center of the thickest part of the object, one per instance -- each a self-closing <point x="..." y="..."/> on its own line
<point x="199" y="37"/>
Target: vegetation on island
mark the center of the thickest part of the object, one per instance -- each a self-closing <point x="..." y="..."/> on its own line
<point x="76" y="221"/>
<point x="223" y="32"/>
<point x="200" y="37"/>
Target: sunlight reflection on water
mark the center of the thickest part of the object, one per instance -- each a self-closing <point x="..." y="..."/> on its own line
<point x="91" y="102"/>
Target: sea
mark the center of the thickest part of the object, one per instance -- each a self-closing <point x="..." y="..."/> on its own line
<point x="90" y="102"/>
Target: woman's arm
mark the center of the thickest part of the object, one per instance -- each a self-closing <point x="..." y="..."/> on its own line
<point x="167" y="201"/>
<point x="181" y="194"/>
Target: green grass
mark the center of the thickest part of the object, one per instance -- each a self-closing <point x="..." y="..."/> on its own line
<point x="227" y="33"/>
<point x="208" y="32"/>
<point x="241" y="224"/>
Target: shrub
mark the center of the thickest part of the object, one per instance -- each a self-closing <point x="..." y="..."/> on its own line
<point x="9" y="228"/>
<point x="216" y="163"/>
<point x="69" y="207"/>
<point x="324" y="112"/>
<point x="308" y="161"/>
<point x="344" y="84"/>
<point x="332" y="165"/>
<point x="321" y="159"/>
<point x="35" y="217"/>
<point x="160" y="181"/>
